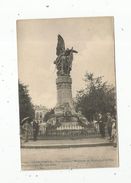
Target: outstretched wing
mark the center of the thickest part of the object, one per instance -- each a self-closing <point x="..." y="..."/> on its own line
<point x="74" y="51"/>
<point x="60" y="45"/>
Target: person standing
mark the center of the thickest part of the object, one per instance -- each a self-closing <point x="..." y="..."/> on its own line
<point x="42" y="128"/>
<point x="109" y="125"/>
<point x="35" y="130"/>
<point x="114" y="133"/>
<point x="101" y="124"/>
<point x="26" y="129"/>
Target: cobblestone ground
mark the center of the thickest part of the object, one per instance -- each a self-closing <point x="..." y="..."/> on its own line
<point x="81" y="157"/>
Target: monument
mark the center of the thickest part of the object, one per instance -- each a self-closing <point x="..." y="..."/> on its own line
<point x="65" y="121"/>
<point x="63" y="64"/>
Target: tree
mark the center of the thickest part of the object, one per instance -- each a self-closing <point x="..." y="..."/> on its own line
<point x="26" y="108"/>
<point x="97" y="97"/>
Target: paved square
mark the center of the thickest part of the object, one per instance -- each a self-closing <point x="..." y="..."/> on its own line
<point x="83" y="157"/>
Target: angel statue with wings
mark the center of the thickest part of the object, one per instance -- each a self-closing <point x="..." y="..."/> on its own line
<point x="65" y="57"/>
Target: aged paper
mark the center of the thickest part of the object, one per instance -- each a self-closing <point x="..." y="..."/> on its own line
<point x="67" y="93"/>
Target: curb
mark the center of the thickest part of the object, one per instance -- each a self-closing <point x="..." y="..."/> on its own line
<point x="52" y="146"/>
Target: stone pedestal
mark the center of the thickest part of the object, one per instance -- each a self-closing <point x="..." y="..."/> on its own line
<point x="64" y="95"/>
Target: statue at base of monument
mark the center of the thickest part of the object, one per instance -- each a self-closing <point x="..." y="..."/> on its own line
<point x="64" y="58"/>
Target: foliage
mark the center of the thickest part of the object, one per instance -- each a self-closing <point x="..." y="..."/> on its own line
<point x="26" y="107"/>
<point x="97" y="97"/>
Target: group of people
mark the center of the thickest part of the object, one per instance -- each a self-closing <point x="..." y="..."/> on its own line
<point x="106" y="122"/>
<point x="101" y="123"/>
<point x="30" y="128"/>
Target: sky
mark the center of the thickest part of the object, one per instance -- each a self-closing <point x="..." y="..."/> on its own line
<point x="93" y="38"/>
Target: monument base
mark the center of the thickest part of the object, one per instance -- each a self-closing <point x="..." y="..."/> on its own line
<point x="64" y="125"/>
<point x="70" y="130"/>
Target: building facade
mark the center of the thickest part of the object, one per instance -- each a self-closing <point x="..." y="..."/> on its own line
<point x="40" y="112"/>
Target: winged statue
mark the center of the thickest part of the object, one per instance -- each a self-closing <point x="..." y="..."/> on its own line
<point x="60" y="45"/>
<point x="64" y="57"/>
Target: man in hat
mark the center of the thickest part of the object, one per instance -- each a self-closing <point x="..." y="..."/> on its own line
<point x="101" y="125"/>
<point x="35" y="129"/>
<point x="26" y="129"/>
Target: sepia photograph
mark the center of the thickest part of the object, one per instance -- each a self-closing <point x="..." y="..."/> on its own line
<point x="67" y="93"/>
